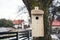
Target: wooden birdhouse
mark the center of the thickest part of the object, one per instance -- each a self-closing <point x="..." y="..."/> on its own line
<point x="37" y="22"/>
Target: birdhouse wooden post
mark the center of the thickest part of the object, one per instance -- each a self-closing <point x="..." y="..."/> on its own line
<point x="37" y="22"/>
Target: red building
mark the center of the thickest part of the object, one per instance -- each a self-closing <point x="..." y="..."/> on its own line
<point x="18" y="23"/>
<point x="56" y="23"/>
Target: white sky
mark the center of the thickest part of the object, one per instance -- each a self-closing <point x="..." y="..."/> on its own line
<point x="55" y="3"/>
<point x="9" y="8"/>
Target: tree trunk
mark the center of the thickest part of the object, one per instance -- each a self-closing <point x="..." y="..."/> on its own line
<point x="44" y="6"/>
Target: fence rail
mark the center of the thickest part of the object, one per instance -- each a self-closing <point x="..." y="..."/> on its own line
<point x="15" y="35"/>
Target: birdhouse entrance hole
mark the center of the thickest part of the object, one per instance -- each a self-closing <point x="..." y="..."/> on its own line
<point x="37" y="18"/>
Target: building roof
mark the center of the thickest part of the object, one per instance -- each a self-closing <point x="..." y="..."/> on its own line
<point x="18" y="21"/>
<point x="56" y="23"/>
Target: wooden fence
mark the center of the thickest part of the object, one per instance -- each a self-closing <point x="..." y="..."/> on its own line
<point x="16" y="35"/>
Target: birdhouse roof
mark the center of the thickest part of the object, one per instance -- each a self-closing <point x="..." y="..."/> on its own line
<point x="37" y="11"/>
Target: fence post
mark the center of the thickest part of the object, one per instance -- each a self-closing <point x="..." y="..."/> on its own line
<point x="28" y="34"/>
<point x="17" y="36"/>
